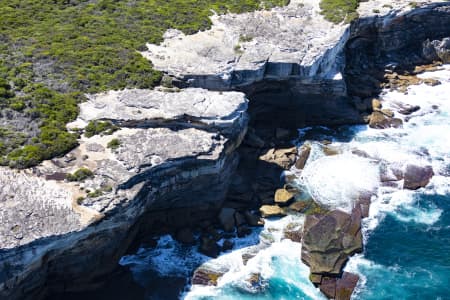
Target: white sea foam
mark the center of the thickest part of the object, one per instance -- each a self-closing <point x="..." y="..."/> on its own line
<point x="427" y="131"/>
<point x="335" y="181"/>
<point x="276" y="254"/>
<point x="279" y="259"/>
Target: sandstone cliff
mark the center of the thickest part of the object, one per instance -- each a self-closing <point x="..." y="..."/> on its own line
<point x="175" y="153"/>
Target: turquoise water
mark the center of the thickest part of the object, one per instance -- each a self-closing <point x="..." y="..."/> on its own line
<point x="407" y="233"/>
<point x="408" y="259"/>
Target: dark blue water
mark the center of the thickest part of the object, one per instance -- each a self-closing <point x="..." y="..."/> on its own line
<point x="410" y="259"/>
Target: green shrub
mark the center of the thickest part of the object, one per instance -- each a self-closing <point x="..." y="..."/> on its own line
<point x="113" y="144"/>
<point x="25" y="157"/>
<point x="99" y="192"/>
<point x="95" y="194"/>
<point x="80" y="175"/>
<point x="245" y="38"/>
<point x="338" y="11"/>
<point x="98" y="127"/>
<point x="17" y="105"/>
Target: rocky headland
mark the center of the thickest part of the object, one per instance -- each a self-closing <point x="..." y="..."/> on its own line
<point x="209" y="145"/>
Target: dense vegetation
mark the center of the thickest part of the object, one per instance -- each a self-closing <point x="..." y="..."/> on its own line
<point x="54" y="51"/>
<point x="337" y="11"/>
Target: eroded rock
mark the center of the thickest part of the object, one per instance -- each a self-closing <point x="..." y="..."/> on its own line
<point x="157" y="179"/>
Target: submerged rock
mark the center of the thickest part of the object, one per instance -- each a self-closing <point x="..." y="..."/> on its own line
<point x="300" y="206"/>
<point x="416" y="176"/>
<point x="408" y="109"/>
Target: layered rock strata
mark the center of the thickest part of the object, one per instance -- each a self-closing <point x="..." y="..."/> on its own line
<point x="170" y="167"/>
<point x="396" y="42"/>
<point x="176" y="151"/>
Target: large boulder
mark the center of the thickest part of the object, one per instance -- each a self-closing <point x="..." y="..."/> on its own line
<point x="329" y="240"/>
<point x="209" y="247"/>
<point x="253" y="220"/>
<point x="417" y="176"/>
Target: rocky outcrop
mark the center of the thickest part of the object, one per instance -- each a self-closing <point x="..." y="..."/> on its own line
<point x="329" y="240"/>
<point x="187" y="108"/>
<point x="171" y="166"/>
<point x="398" y="42"/>
<point x="285" y="60"/>
<point x="287" y="42"/>
<point x="437" y="50"/>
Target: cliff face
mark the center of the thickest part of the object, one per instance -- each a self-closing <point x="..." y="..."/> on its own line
<point x="175" y="151"/>
<point x="296" y="68"/>
<point x="396" y="42"/>
<point x="176" y="155"/>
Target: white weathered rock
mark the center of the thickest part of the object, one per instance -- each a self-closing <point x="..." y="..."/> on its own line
<point x="143" y="108"/>
<point x="54" y="228"/>
<point x="291" y="41"/>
